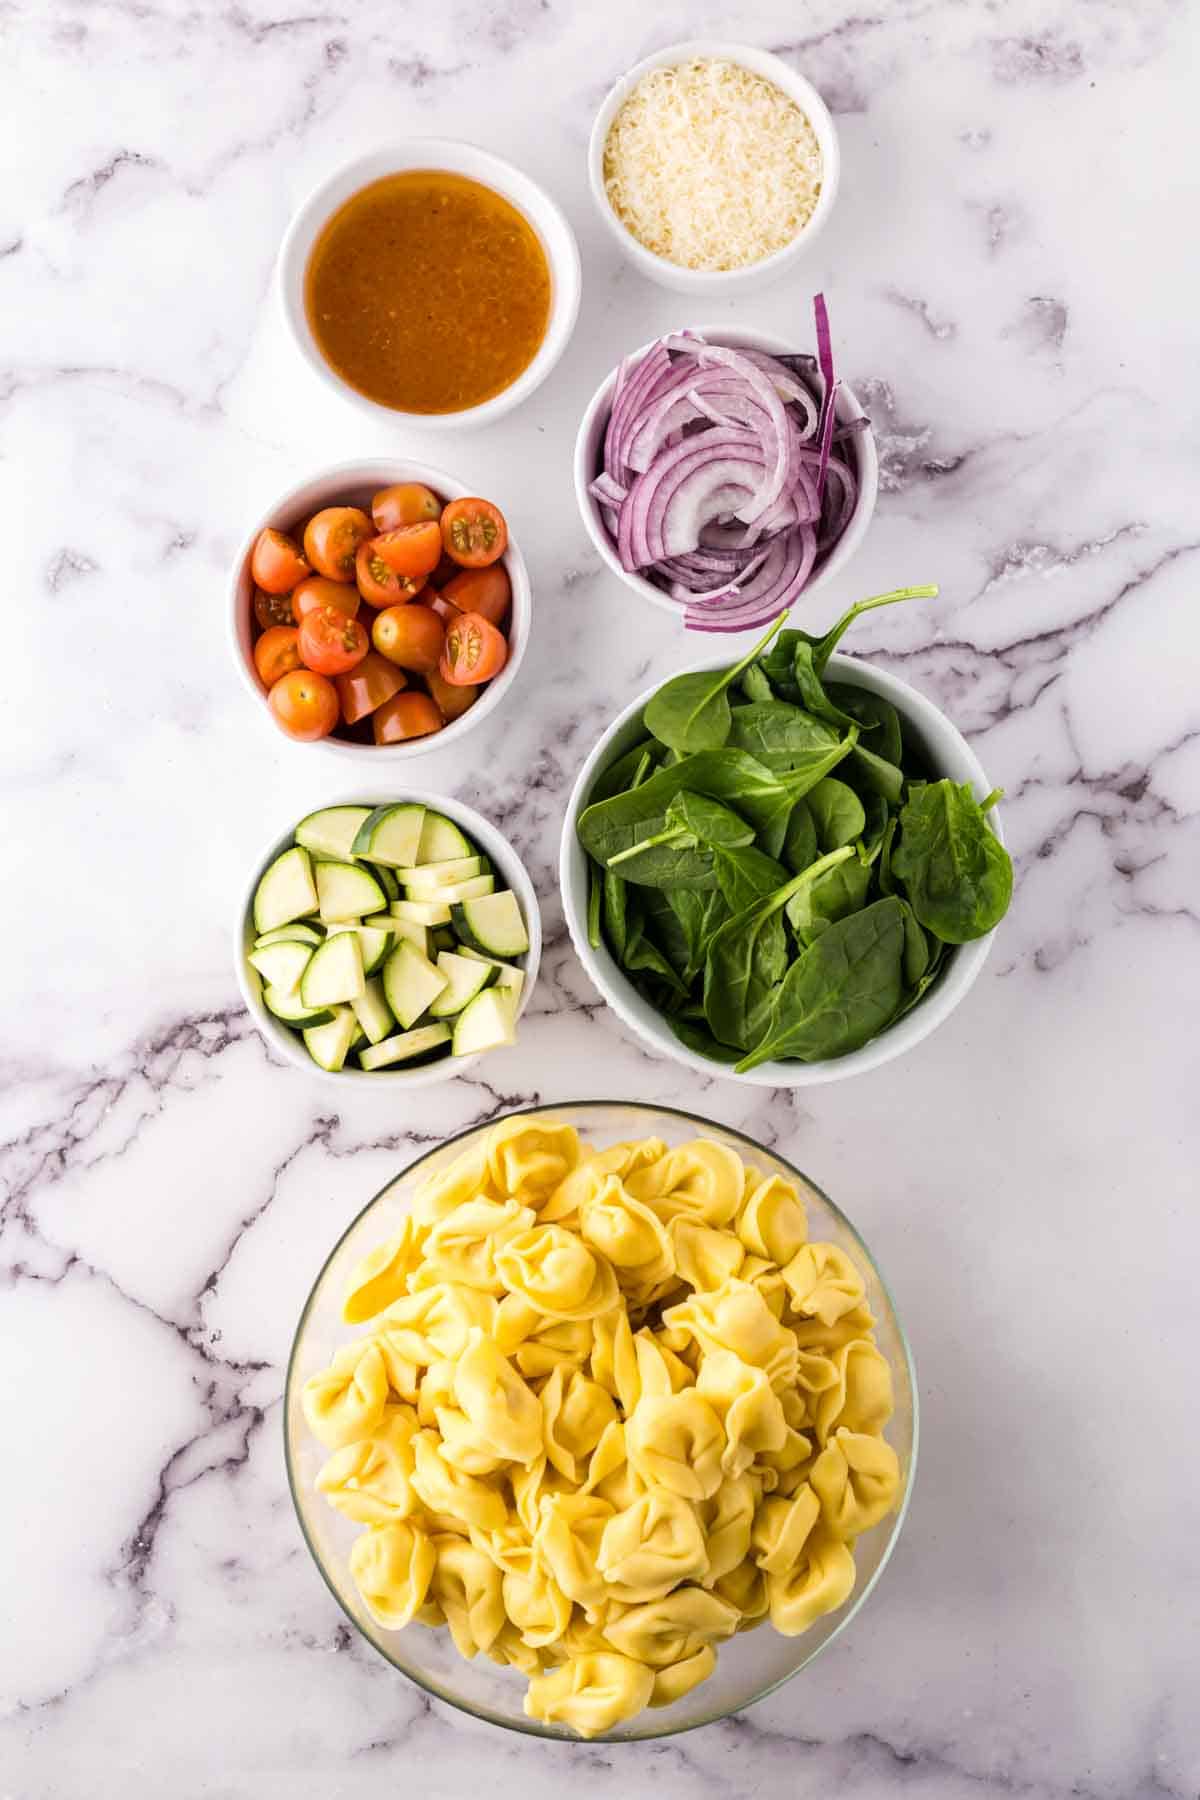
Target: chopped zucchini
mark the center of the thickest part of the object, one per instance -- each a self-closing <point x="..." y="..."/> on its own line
<point x="419" y="883"/>
<point x="373" y="1012"/>
<point x="286" y="891"/>
<point x="421" y="912"/>
<point x="404" y="1046"/>
<point x="507" y="976"/>
<point x="288" y="934"/>
<point x="442" y="938"/>
<point x="373" y="943"/>
<point x="485" y="1023"/>
<point x="410" y="983"/>
<point x="391" y="835"/>
<point x="492" y="924"/>
<point x="473" y="888"/>
<point x="391" y="929"/>
<point x="281" y="965"/>
<point x="328" y="1044"/>
<point x="331" y="832"/>
<point x="386" y="880"/>
<point x="441" y="839"/>
<point x="346" y="891"/>
<point x="463" y="981"/>
<point x="335" y="973"/>
<point x="288" y="1007"/>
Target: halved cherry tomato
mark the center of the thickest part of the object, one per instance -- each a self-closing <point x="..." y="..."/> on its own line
<point x="406" y="716"/>
<point x="487" y="592"/>
<point x="409" y="635"/>
<point x="475" y="651"/>
<point x="329" y="642"/>
<point x="304" y="705"/>
<point x="318" y="590"/>
<point x="332" y="537"/>
<point x="276" y="563"/>
<point x="410" y="549"/>
<point x="438" y="603"/>
<point x="474" y="532"/>
<point x="452" y="702"/>
<point x="368" y="686"/>
<point x="276" y="653"/>
<point x="405" y="503"/>
<point x="272" y="609"/>
<point x="379" y="585"/>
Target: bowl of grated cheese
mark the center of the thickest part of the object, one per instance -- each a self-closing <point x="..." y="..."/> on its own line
<point x="714" y="166"/>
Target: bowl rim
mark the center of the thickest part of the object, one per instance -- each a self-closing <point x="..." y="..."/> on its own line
<point x="279" y="1036"/>
<point x="533" y="1727"/>
<point x="718" y="282"/>
<point x="459" y="156"/>
<point x="905" y="1034"/>
<point x="364" y="473"/>
<point x="847" y="407"/>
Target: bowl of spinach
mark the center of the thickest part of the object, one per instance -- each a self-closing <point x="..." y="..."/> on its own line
<point x="788" y="869"/>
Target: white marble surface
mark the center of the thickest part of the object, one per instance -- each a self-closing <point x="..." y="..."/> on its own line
<point x="1011" y="272"/>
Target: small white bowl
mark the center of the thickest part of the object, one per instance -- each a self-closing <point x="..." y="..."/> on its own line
<point x="719" y="284"/>
<point x="543" y="214"/>
<point x="589" y="445"/>
<point x="511" y="869"/>
<point x="352" y="484"/>
<point x="948" y="753"/>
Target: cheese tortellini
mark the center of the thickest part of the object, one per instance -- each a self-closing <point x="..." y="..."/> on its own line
<point x="608" y="1408"/>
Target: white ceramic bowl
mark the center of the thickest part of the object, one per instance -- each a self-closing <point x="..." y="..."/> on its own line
<point x="289" y="1045"/>
<point x="534" y="204"/>
<point x="352" y="484"/>
<point x="947" y="752"/>
<point x="589" y="444"/>
<point x="719" y="284"/>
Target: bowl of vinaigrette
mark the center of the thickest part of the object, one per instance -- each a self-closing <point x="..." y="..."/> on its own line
<point x="431" y="282"/>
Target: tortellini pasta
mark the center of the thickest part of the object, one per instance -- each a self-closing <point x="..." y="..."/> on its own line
<point x="610" y="1407"/>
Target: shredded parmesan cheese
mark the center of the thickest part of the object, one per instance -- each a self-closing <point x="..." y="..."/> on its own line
<point x="711" y="166"/>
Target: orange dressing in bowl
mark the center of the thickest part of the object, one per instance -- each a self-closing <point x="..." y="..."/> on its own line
<point x="428" y="292"/>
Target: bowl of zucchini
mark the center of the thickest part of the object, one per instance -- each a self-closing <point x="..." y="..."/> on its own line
<point x="394" y="937"/>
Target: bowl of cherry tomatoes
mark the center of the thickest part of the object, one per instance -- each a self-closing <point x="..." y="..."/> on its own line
<point x="380" y="609"/>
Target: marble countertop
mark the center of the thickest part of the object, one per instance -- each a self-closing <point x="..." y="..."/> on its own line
<point x="1013" y="292"/>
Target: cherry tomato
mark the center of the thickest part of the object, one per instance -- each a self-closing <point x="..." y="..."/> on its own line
<point x="406" y="503"/>
<point x="452" y="702"/>
<point x="329" y="642"/>
<point x="272" y="609"/>
<point x="406" y="716"/>
<point x="331" y="540"/>
<point x="318" y="590"/>
<point x="475" y="651"/>
<point x="445" y="609"/>
<point x="410" y="549"/>
<point x="276" y="653"/>
<point x="275" y="562"/>
<point x="304" y="705"/>
<point x="367" y="686"/>
<point x="487" y="592"/>
<point x="379" y="585"/>
<point x="473" y="532"/>
<point x="409" y="635"/>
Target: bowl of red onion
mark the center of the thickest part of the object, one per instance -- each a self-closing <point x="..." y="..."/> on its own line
<point x="722" y="475"/>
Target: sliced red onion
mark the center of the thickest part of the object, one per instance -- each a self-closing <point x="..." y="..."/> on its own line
<point x="704" y="478"/>
<point x="829" y="397"/>
<point x="607" y="490"/>
<point x="785" y="568"/>
<point x="735" y="584"/>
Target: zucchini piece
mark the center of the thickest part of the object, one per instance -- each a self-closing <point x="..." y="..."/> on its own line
<point x="410" y="983"/>
<point x="328" y="1044"/>
<point x="404" y="1046"/>
<point x="386" y="880"/>
<point x="332" y="831"/>
<point x="281" y="965"/>
<point x="286" y="891"/>
<point x="288" y="934"/>
<point x="492" y="924"/>
<point x="290" y="1009"/>
<point x="335" y="973"/>
<point x="373" y="943"/>
<point x="373" y="1012"/>
<point x="421" y="912"/>
<point x="441" y="839"/>
<point x="391" y="930"/>
<point x="419" y="883"/>
<point x="442" y="938"/>
<point x="507" y="976"/>
<point x="473" y="888"/>
<point x="346" y="891"/>
<point x="463" y="981"/>
<point x="485" y="1023"/>
<point x="391" y="835"/>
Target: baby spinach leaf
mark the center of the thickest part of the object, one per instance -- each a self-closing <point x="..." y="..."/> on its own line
<point x="838" y="892"/>
<point x="954" y="869"/>
<point x="611" y="825"/>
<point x="641" y="953"/>
<point x="800" y="839"/>
<point x="814" y="696"/>
<point x="748" y="957"/>
<point x="876" y="818"/>
<point x="876" y="775"/>
<point x="616" y="914"/>
<point x="824" y="647"/>
<point x="595" y="900"/>
<point x="779" y="736"/>
<point x="754" y="684"/>
<point x="626" y="772"/>
<point x="837" y="813"/>
<point x="843" y="990"/>
<point x="702" y="1042"/>
<point x="746" y="875"/>
<point x="663" y="925"/>
<point x="916" y="949"/>
<point x="873" y="713"/>
<point x="691" y="712"/>
<point x="887" y="884"/>
<point x="699" y="914"/>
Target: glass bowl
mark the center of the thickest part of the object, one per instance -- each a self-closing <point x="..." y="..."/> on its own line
<point x="750" y="1665"/>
